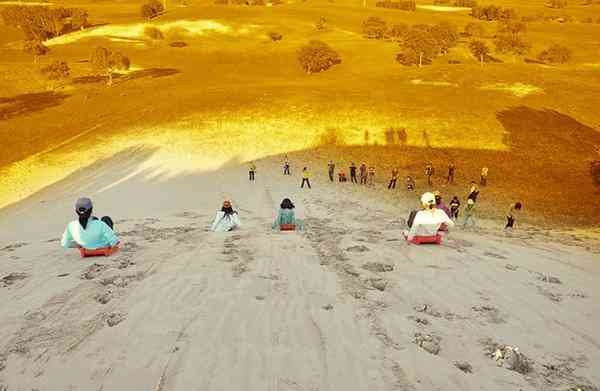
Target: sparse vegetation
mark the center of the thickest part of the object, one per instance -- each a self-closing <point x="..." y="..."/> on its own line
<point x="40" y="23"/>
<point x="474" y="29"/>
<point x="374" y="28"/>
<point x="321" y="24"/>
<point x="275" y="36"/>
<point x="479" y="50"/>
<point x="36" y="48"/>
<point x="106" y="62"/>
<point x="317" y="56"/>
<point x="555" y="54"/>
<point x="493" y="12"/>
<point x="55" y="72"/>
<point x="404" y="5"/>
<point x="152" y="8"/>
<point x="154" y="33"/>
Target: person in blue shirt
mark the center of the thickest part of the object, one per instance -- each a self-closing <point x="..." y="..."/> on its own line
<point x="87" y="231"/>
<point x="286" y="215"/>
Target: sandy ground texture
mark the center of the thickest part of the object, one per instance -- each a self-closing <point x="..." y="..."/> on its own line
<point x="345" y="305"/>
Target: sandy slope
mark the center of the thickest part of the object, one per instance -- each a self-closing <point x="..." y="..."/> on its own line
<point x="249" y="310"/>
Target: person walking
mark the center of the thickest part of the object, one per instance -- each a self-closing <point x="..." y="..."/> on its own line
<point x="451" y="170"/>
<point x="252" y="171"/>
<point x="473" y="192"/>
<point x="410" y="183"/>
<point x="305" y="177"/>
<point x="371" y="176"/>
<point x="353" y="173"/>
<point x="484" y="175"/>
<point x="363" y="174"/>
<point x="454" y="207"/>
<point x="429" y="171"/>
<point x="331" y="169"/>
<point x="393" y="179"/>
<point x="469" y="213"/>
<point x="286" y="166"/>
<point x="515" y="210"/>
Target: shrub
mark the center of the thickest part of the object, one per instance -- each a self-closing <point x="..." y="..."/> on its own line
<point x="445" y="34"/>
<point x="317" y="56"/>
<point x="474" y="30"/>
<point x="275" y="36"/>
<point x="152" y="8"/>
<point x="493" y="12"/>
<point x="35" y="47"/>
<point x="374" y="28"/>
<point x="56" y="70"/>
<point x="153" y="33"/>
<point x="40" y="23"/>
<point x="106" y="62"/>
<point x="404" y="5"/>
<point x="556" y="3"/>
<point x="555" y="54"/>
<point x="479" y="50"/>
<point x="178" y="44"/>
<point x="465" y="3"/>
<point x="321" y="24"/>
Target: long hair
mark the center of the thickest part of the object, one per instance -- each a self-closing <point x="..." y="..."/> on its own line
<point x="287" y="204"/>
<point x="228" y="210"/>
<point x="84" y="217"/>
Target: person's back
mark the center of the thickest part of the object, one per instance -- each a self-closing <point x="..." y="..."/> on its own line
<point x="96" y="234"/>
<point x="286" y="215"/>
<point x="226" y="219"/>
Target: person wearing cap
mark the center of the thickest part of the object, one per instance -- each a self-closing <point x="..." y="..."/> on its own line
<point x="469" y="213"/>
<point x="88" y="231"/>
<point x="427" y="221"/>
<point x="226" y="219"/>
<point x="440" y="204"/>
<point x="286" y="215"/>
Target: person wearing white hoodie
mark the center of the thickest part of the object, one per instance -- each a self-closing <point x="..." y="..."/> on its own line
<point x="428" y="221"/>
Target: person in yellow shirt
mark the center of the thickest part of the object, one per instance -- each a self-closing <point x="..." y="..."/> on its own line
<point x="251" y="170"/>
<point x="305" y="177"/>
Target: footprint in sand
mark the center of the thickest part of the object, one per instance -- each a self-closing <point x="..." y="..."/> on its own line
<point x="491" y="313"/>
<point x="114" y="319"/>
<point x="556" y="297"/>
<point x="358" y="249"/>
<point x="378" y="267"/>
<point x="104" y="298"/>
<point x="549" y="279"/>
<point x="13" y="247"/>
<point x="11" y="278"/>
<point x="429" y="343"/>
<point x="494" y="255"/>
<point x="93" y="271"/>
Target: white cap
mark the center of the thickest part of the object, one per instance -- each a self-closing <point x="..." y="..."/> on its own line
<point x="428" y="199"/>
<point x="470" y="201"/>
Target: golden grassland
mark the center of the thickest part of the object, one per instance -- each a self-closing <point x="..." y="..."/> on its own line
<point x="232" y="94"/>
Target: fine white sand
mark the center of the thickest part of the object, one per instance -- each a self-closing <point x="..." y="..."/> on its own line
<point x="263" y="310"/>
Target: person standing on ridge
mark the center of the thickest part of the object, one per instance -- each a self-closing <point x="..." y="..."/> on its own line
<point x="393" y="179"/>
<point x="484" y="175"/>
<point x="353" y="173"/>
<point x="331" y="170"/>
<point x="363" y="173"/>
<point x="429" y="171"/>
<point x="286" y="166"/>
<point x="451" y="170"/>
<point x="252" y="171"/>
<point x="305" y="177"/>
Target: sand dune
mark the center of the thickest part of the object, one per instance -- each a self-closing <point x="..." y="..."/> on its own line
<point x="346" y="305"/>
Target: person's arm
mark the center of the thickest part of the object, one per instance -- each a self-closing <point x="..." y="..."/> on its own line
<point x="109" y="235"/>
<point x="67" y="239"/>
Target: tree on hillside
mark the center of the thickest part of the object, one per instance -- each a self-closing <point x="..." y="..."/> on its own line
<point x="419" y="47"/>
<point x="479" y="50"/>
<point x="555" y="54"/>
<point x="474" y="29"/>
<point x="317" y="56"/>
<point x="512" y="44"/>
<point x="152" y="8"/>
<point x="106" y="62"/>
<point x="397" y="31"/>
<point x="512" y="27"/>
<point x="445" y="34"/>
<point x="374" y="28"/>
<point x="55" y="72"/>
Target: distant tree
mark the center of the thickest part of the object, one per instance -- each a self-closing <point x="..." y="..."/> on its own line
<point x="106" y="62"/>
<point x="152" y="8"/>
<point x="445" y="34"/>
<point x="275" y="36"/>
<point x="419" y="47"/>
<point x="555" y="54"/>
<point x="474" y="29"/>
<point x="317" y="56"/>
<point x="479" y="50"/>
<point x="40" y="23"/>
<point x="397" y="31"/>
<point x="374" y="28"/>
<point x="512" y="27"/>
<point x="56" y="71"/>
<point x="493" y="12"/>
<point x="512" y="44"/>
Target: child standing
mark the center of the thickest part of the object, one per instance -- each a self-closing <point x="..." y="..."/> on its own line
<point x="286" y="166"/>
<point x="454" y="207"/>
<point x="469" y="213"/>
<point x="305" y="177"/>
<point x="514" y="211"/>
<point x="251" y="171"/>
<point x="371" y="176"/>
